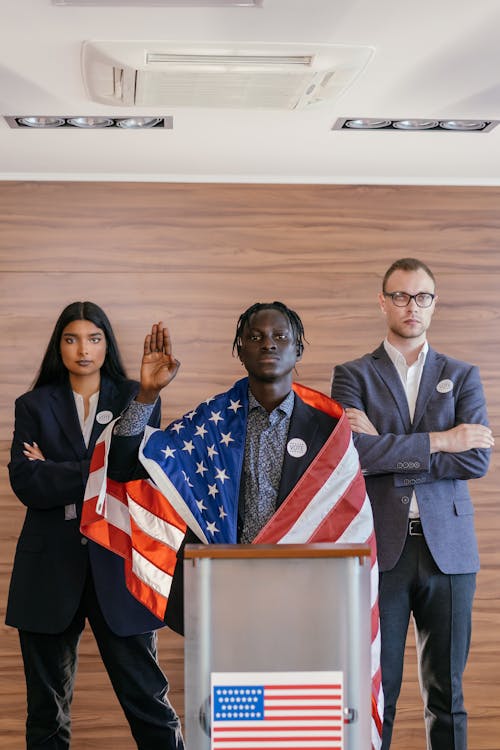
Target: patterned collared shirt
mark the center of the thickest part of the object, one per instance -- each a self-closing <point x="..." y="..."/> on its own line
<point x="264" y="453"/>
<point x="134" y="419"/>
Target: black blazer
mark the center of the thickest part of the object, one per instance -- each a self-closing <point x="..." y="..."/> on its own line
<point x="52" y="557"/>
<point x="308" y="423"/>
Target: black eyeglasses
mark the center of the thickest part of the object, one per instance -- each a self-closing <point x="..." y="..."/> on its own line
<point x="402" y="299"/>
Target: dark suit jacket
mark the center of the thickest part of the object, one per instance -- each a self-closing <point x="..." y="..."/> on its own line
<point x="312" y="425"/>
<point x="52" y="557"/>
<point x="398" y="460"/>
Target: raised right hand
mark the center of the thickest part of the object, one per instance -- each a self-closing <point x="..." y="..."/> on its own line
<point x="159" y="367"/>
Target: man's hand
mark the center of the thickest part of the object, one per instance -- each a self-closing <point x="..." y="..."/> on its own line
<point x="159" y="367"/>
<point x="359" y="421"/>
<point x="463" y="437"/>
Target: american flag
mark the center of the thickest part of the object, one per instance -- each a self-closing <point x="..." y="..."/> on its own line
<point x="196" y="464"/>
<point x="256" y="711"/>
<point x="133" y="520"/>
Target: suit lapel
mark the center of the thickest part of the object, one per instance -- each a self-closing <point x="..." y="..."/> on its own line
<point x="63" y="407"/>
<point x="109" y="401"/>
<point x="433" y="368"/>
<point x="305" y="428"/>
<point x="388" y="373"/>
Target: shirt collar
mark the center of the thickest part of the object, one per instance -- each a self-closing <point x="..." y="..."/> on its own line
<point x="398" y="359"/>
<point x="87" y="424"/>
<point x="286" y="405"/>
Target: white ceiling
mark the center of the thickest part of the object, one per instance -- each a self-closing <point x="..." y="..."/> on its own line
<point x="433" y="58"/>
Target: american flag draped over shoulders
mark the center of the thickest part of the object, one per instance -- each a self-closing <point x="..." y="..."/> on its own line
<point x="197" y="461"/>
<point x="196" y="464"/>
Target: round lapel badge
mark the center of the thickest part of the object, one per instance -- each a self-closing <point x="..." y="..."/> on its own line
<point x="444" y="386"/>
<point x="104" y="417"/>
<point x="296" y="447"/>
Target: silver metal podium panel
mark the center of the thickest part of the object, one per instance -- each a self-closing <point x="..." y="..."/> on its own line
<point x="277" y="614"/>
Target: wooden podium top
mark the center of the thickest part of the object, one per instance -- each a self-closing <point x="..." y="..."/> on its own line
<point x="281" y="551"/>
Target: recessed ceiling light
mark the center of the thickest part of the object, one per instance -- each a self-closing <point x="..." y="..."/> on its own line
<point x="414" y="124"/>
<point x="85" y="122"/>
<point x="367" y="123"/>
<point x="41" y="122"/>
<point x="137" y="122"/>
<point x="90" y="122"/>
<point x="463" y="124"/>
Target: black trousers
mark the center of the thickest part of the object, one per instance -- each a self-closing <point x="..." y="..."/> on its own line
<point x="441" y="605"/>
<point x="50" y="663"/>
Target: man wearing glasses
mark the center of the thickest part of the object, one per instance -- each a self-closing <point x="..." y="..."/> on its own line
<point x="420" y="426"/>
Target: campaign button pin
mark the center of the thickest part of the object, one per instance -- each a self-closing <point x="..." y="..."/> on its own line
<point x="444" y="386"/>
<point x="296" y="447"/>
<point x="104" y="417"/>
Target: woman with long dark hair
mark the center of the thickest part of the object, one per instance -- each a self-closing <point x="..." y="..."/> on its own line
<point x="60" y="578"/>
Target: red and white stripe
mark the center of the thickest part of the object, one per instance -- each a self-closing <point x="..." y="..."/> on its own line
<point x="133" y="520"/>
<point x="329" y="504"/>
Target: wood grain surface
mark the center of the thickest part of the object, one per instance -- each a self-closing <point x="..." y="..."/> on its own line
<point x="196" y="256"/>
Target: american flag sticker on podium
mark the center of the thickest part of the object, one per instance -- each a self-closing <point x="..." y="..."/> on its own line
<point x="272" y="710"/>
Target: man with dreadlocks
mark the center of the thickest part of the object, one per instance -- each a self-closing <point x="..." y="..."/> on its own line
<point x="269" y="461"/>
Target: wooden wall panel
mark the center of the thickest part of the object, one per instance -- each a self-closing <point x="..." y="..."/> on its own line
<point x="196" y="256"/>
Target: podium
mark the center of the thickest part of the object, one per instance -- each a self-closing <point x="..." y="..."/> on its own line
<point x="264" y="618"/>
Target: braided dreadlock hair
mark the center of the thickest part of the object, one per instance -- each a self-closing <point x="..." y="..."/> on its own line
<point x="293" y="318"/>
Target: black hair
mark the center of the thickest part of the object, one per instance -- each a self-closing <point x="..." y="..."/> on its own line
<point x="293" y="318"/>
<point x="52" y="369"/>
<point x="407" y="264"/>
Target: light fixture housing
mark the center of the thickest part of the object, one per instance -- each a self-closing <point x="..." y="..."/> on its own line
<point x="165" y="3"/>
<point x="89" y="122"/>
<point x="415" y="124"/>
<point x="136" y="123"/>
<point x="367" y="123"/>
<point x="463" y="125"/>
<point x="41" y="122"/>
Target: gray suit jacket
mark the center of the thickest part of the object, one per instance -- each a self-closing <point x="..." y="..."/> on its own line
<point x="398" y="460"/>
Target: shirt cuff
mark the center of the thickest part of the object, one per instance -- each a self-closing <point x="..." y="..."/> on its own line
<point x="134" y="419"/>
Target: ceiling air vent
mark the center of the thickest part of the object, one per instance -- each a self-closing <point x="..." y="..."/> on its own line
<point x="277" y="76"/>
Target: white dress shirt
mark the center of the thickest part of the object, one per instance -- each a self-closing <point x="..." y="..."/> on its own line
<point x="410" y="376"/>
<point x="86" y="424"/>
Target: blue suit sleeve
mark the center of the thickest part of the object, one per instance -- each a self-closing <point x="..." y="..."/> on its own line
<point x="388" y="453"/>
<point x="409" y="454"/>
<point x="470" y="408"/>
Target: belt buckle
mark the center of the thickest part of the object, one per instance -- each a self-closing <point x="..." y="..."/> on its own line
<point x="415" y="527"/>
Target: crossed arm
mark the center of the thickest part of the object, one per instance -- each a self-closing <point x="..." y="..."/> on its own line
<point x="459" y="452"/>
<point x="458" y="439"/>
